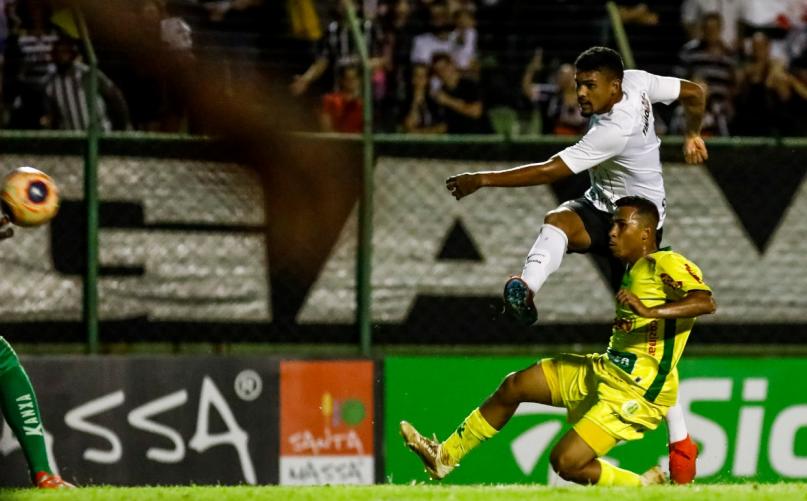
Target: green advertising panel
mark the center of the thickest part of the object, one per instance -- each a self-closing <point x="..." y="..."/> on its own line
<point x="749" y="416"/>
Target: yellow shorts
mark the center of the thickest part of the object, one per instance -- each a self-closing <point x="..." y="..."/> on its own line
<point x="602" y="406"/>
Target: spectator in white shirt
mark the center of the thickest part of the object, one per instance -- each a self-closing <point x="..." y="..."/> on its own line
<point x="444" y="39"/>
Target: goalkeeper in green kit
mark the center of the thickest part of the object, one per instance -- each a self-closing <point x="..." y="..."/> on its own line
<point x="20" y="409"/>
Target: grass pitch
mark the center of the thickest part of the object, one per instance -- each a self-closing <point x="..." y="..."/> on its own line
<point x="717" y="492"/>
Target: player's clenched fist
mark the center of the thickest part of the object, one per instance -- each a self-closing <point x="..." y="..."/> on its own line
<point x="695" y="150"/>
<point x="629" y="299"/>
<point x="463" y="185"/>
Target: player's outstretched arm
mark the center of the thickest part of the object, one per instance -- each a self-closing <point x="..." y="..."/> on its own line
<point x="693" y="98"/>
<point x="547" y="172"/>
<point x="694" y="304"/>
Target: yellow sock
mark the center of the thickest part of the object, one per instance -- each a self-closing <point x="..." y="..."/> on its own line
<point x="473" y="431"/>
<point x="611" y="475"/>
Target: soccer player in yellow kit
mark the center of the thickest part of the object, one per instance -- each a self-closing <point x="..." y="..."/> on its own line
<point x="611" y="396"/>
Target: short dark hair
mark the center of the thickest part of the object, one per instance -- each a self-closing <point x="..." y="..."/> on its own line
<point x="644" y="207"/>
<point x="599" y="59"/>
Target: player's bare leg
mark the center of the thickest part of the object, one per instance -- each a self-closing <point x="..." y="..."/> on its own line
<point x="563" y="230"/>
<point x="570" y="223"/>
<point x="574" y="460"/>
<point x="527" y="385"/>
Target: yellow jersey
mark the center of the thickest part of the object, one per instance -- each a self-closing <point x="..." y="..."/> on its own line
<point x="646" y="350"/>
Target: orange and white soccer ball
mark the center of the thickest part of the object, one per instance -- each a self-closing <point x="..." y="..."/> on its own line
<point x="29" y="197"/>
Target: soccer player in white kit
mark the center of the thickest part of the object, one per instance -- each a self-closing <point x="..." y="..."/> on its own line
<point x="620" y="151"/>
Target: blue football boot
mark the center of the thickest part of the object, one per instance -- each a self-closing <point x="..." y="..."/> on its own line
<point x="518" y="301"/>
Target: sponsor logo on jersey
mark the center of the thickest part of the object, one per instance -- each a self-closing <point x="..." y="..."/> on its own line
<point x="694" y="275"/>
<point x="652" y="338"/>
<point x="630" y="407"/>
<point x="647" y="109"/>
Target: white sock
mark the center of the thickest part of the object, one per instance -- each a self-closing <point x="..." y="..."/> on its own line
<point x="545" y="256"/>
<point x="676" y="426"/>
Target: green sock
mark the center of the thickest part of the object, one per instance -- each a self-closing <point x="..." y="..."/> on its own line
<point x="21" y="411"/>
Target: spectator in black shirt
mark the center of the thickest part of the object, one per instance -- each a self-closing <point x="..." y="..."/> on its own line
<point x="797" y="104"/>
<point x="460" y="98"/>
<point x="28" y="64"/>
<point x="423" y="114"/>
<point x="762" y="108"/>
<point x="337" y="49"/>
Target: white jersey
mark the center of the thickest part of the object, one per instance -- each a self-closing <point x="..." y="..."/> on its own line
<point x="621" y="149"/>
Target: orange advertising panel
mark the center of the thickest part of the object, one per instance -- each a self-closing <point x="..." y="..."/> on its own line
<point x="326" y="422"/>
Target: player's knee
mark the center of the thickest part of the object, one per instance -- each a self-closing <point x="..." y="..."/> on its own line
<point x="556" y="218"/>
<point x="565" y="465"/>
<point x="509" y="390"/>
<point x="565" y="220"/>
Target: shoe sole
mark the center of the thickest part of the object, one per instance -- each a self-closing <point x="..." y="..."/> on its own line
<point x="516" y="302"/>
<point x="408" y="430"/>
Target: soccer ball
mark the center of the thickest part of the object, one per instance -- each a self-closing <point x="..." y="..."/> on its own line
<point x="29" y="197"/>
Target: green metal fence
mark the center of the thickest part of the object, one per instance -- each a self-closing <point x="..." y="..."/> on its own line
<point x="187" y="252"/>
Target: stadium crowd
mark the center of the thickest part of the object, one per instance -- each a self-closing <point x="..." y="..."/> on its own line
<point x="437" y="66"/>
<point x="435" y="69"/>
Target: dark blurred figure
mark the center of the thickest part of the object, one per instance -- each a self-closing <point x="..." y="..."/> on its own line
<point x="709" y="57"/>
<point x="460" y="98"/>
<point x="337" y="49"/>
<point x="765" y="90"/>
<point x="397" y="31"/>
<point x="423" y="115"/>
<point x="28" y="62"/>
<point x="716" y="117"/>
<point x="8" y="19"/>
<point x="554" y="103"/>
<point x="798" y="103"/>
<point x="466" y="57"/>
<point x="154" y="104"/>
<point x="654" y="30"/>
<point x="535" y="94"/>
<point x="219" y="9"/>
<point x="563" y="111"/>
<point x="342" y="110"/>
<point x="67" y="99"/>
